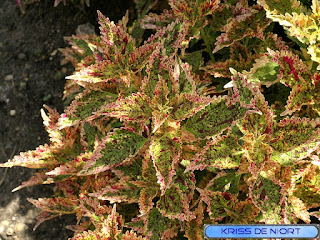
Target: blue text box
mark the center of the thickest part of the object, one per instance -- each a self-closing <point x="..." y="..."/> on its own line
<point x="261" y="231"/>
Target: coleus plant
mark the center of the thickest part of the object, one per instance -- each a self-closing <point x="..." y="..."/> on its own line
<point x="161" y="138"/>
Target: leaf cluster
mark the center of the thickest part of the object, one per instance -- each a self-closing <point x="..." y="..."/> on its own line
<point x="165" y="135"/>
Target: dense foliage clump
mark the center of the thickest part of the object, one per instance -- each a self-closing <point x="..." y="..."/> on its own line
<point x="165" y="135"/>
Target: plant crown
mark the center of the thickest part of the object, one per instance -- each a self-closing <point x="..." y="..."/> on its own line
<point x="212" y="119"/>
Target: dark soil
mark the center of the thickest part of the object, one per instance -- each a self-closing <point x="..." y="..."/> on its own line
<point x="32" y="74"/>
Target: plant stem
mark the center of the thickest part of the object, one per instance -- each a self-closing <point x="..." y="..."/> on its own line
<point x="206" y="42"/>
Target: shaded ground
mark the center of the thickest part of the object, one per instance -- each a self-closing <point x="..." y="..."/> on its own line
<point x="31" y="74"/>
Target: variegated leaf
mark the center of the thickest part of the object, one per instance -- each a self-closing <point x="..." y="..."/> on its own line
<point x="301" y="94"/>
<point x="293" y="70"/>
<point x="159" y="117"/>
<point x="161" y="92"/>
<point x="299" y="209"/>
<point x="300" y="22"/>
<point x="214" y="119"/>
<point x="158" y="21"/>
<point x="194" y="228"/>
<point x="195" y="10"/>
<point x="244" y="212"/>
<point x="134" y="108"/>
<point x="248" y="95"/>
<point x="120" y="191"/>
<point x="223" y="152"/>
<point x="88" y="235"/>
<point x="148" y="184"/>
<point x="294" y="139"/>
<point x="91" y="132"/>
<point x="131" y="235"/>
<point x="33" y="159"/>
<point x="101" y="72"/>
<point x="225" y="182"/>
<point x="256" y="129"/>
<point x="153" y="70"/>
<point x="186" y="183"/>
<point x="45" y="216"/>
<point x="120" y="43"/>
<point x="147" y="194"/>
<point x="222" y="205"/>
<point x="88" y="102"/>
<point x="165" y="152"/>
<point x="141" y="56"/>
<point x="114" y="150"/>
<point x="258" y="123"/>
<point x="186" y="105"/>
<point x="171" y="38"/>
<point x="307" y="187"/>
<point x="266" y="195"/>
<point x="81" y="53"/>
<point x="237" y="28"/>
<point x="216" y="202"/>
<point x="264" y="71"/>
<point x="155" y="226"/>
<point x="81" y="228"/>
<point x="57" y="205"/>
<point x="113" y="225"/>
<point x="283" y="7"/>
<point x="95" y="210"/>
<point x="37" y="178"/>
<point x="175" y="205"/>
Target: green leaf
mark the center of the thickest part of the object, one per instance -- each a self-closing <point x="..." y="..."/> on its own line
<point x="214" y="119"/>
<point x="155" y="225"/>
<point x="194" y="59"/>
<point x="175" y="205"/>
<point x="223" y="205"/>
<point x="114" y="150"/>
<point x="88" y="102"/>
<point x="120" y="191"/>
<point x="264" y="71"/>
<point x="250" y="22"/>
<point x="266" y="196"/>
<point x="223" y="152"/>
<point x="135" y="108"/>
<point x="225" y="181"/>
<point x="186" y="105"/>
